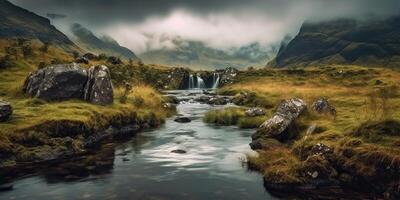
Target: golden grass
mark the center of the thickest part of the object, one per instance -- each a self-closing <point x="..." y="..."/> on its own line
<point x="359" y="102"/>
<point x="34" y="122"/>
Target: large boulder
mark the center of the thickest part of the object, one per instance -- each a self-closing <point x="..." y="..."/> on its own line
<point x="57" y="82"/>
<point x="5" y="110"/>
<point x="281" y="125"/>
<point x="99" y="89"/>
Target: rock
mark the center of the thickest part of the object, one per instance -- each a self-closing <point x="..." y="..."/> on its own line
<point x="99" y="89"/>
<point x="6" y="187"/>
<point x="281" y="125"/>
<point x="203" y="99"/>
<point x="321" y="149"/>
<point x="180" y="151"/>
<point x="182" y="120"/>
<point x="171" y="99"/>
<point x="228" y="76"/>
<point x="5" y="110"/>
<point x="243" y="98"/>
<point x="323" y="106"/>
<point x="57" y="82"/>
<point x="114" y="60"/>
<point x="254" y="112"/>
<point x="82" y="60"/>
<point x="218" y="100"/>
<point x="90" y="56"/>
<point x="125" y="159"/>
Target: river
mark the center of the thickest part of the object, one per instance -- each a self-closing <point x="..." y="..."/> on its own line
<point x="145" y="168"/>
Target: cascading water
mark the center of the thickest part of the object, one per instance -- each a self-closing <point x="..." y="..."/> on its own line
<point x="191" y="81"/>
<point x="200" y="83"/>
<point x="215" y="80"/>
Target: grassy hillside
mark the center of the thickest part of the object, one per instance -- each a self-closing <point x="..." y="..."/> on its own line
<point x="21" y="23"/>
<point x="364" y="135"/>
<point x="35" y="130"/>
<point x="87" y="40"/>
<point x="367" y="43"/>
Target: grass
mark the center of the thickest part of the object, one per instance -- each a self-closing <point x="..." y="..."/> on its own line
<point x="364" y="134"/>
<point x="233" y="116"/>
<point x="37" y="128"/>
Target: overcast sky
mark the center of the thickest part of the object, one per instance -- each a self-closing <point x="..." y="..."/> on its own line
<point x="151" y="24"/>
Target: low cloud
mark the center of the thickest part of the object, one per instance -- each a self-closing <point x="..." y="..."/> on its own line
<point x="224" y="24"/>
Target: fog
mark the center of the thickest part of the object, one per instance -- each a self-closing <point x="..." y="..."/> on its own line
<point x="223" y="24"/>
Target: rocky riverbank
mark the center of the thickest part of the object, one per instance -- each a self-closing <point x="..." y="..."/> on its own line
<point x="72" y="110"/>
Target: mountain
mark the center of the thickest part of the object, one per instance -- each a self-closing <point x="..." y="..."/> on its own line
<point x="197" y="55"/>
<point x="90" y="42"/>
<point x="18" y="22"/>
<point x="344" y="41"/>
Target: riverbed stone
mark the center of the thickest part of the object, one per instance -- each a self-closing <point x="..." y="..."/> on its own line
<point x="281" y="125"/>
<point x="179" y="151"/>
<point x="182" y="119"/>
<point x="57" y="82"/>
<point x="5" y="110"/>
<point x="99" y="89"/>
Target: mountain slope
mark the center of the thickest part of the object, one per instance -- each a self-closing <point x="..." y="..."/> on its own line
<point x="90" y="42"/>
<point x="18" y="22"/>
<point x="197" y="55"/>
<point x="373" y="43"/>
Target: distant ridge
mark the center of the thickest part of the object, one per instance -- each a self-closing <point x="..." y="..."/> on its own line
<point x="345" y="41"/>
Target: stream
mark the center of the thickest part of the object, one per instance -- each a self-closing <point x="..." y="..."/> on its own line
<point x="145" y="168"/>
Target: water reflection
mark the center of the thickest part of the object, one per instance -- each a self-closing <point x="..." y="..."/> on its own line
<point x="145" y="168"/>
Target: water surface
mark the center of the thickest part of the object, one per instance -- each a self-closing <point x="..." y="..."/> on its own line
<point x="145" y="168"/>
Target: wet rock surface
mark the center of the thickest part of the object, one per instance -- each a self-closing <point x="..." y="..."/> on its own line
<point x="5" y="110"/>
<point x="99" y="89"/>
<point x="281" y="125"/>
<point x="182" y="119"/>
<point x="178" y="151"/>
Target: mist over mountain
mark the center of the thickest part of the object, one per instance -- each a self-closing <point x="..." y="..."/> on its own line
<point x="105" y="44"/>
<point x="196" y="54"/>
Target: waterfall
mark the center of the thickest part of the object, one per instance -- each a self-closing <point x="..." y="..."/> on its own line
<point x="200" y="82"/>
<point x="191" y="81"/>
<point x="215" y="80"/>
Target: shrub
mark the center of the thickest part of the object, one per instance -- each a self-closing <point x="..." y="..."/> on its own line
<point x="5" y="62"/>
<point x="227" y="116"/>
<point x="27" y="51"/>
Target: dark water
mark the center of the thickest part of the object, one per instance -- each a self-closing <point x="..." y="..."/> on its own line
<point x="145" y="168"/>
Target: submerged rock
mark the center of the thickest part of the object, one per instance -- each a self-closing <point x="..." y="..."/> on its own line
<point x="99" y="89"/>
<point x="182" y="120"/>
<point x="180" y="151"/>
<point x="254" y="112"/>
<point x="5" y="110"/>
<point x="57" y="82"/>
<point x="323" y="106"/>
<point x="281" y="125"/>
